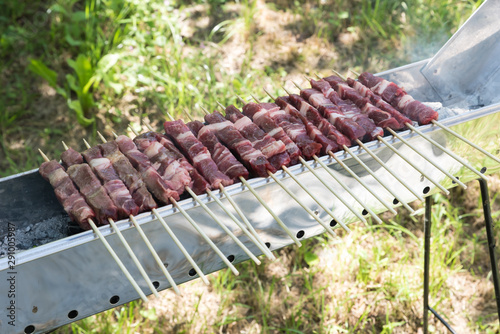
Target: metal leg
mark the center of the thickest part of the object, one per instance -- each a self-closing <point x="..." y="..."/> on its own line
<point x="485" y="197"/>
<point x="427" y="247"/>
<point x="427" y="254"/>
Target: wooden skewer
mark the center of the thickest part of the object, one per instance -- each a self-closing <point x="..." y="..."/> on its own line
<point x="348" y="189"/>
<point x="451" y="154"/>
<point x="223" y="226"/>
<point x="368" y="169"/>
<point x="260" y="245"/>
<point x="87" y="145"/>
<point x="310" y="193"/>
<point x="392" y="148"/>
<point x="340" y="75"/>
<point x="376" y="158"/>
<point x="185" y="113"/>
<point x="204" y="236"/>
<point x="171" y="234"/>
<point x="353" y="71"/>
<point x="264" y="204"/>
<point x="428" y="159"/>
<point x="198" y="229"/>
<point x="220" y="106"/>
<point x="275" y="216"/>
<point x="447" y="129"/>
<point x="65" y="146"/>
<point x="327" y="210"/>
<point x="134" y="258"/>
<point x="118" y="261"/>
<point x="312" y="214"/>
<point x="150" y="247"/>
<point x="360" y="217"/>
<point x="350" y="171"/>
<point x="127" y="246"/>
<point x="110" y="250"/>
<point x="267" y="252"/>
<point x="321" y="179"/>
<point x="155" y="255"/>
<point x="181" y="247"/>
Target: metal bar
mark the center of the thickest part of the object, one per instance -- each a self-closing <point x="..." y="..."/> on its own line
<point x="442" y="320"/>
<point x="485" y="198"/>
<point x="427" y="247"/>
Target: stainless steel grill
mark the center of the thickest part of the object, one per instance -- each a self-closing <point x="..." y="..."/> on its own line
<point x="66" y="278"/>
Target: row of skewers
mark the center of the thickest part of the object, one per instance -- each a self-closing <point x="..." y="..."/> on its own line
<point x="195" y="172"/>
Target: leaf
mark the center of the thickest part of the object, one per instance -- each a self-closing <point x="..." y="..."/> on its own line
<point x="311" y="258"/>
<point x="72" y="83"/>
<point x="71" y="41"/>
<point x="107" y="62"/>
<point x="37" y="67"/>
<point x="76" y="106"/>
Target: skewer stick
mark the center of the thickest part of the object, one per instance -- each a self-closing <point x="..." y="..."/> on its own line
<point x="348" y="189"/>
<point x="447" y="129"/>
<point x="134" y="257"/>
<point x="264" y="249"/>
<point x="260" y="244"/>
<point x="376" y="158"/>
<point x="322" y="180"/>
<point x="185" y="113"/>
<point x="150" y="247"/>
<point x="264" y="204"/>
<point x="43" y="156"/>
<point x="172" y="235"/>
<point x="204" y="236"/>
<point x="355" y="73"/>
<point x="327" y="210"/>
<point x="428" y="159"/>
<point x="126" y="245"/>
<point x="110" y="250"/>
<point x="343" y="185"/>
<point x="332" y="190"/>
<point x="65" y="146"/>
<point x="350" y="171"/>
<point x="451" y="154"/>
<point x="368" y="169"/>
<point x="312" y="214"/>
<point x="87" y="145"/>
<point x="392" y="148"/>
<point x="305" y="188"/>
<point x="222" y="225"/>
<point x="197" y="228"/>
<point x="219" y="104"/>
<point x="181" y="247"/>
<point x="340" y="75"/>
<point x="118" y="261"/>
<point x="237" y="222"/>
<point x="155" y="255"/>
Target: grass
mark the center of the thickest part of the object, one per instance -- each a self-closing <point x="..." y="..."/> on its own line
<point x="73" y="67"/>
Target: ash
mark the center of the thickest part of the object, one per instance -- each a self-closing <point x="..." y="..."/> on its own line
<point x="445" y="112"/>
<point x="37" y="234"/>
